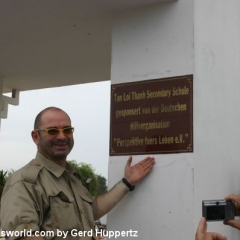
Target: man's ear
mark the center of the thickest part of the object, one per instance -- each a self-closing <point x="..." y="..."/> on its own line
<point x="35" y="137"/>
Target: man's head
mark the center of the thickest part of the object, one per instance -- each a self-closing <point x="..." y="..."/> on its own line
<point x="56" y="143"/>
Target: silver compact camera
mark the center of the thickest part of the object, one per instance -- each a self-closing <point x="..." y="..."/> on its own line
<point x="218" y="210"/>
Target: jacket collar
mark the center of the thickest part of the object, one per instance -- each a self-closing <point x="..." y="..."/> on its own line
<point x="53" y="167"/>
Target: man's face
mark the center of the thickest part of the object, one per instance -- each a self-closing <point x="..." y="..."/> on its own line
<point x="54" y="147"/>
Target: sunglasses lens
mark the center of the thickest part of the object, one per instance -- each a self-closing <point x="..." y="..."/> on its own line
<point x="56" y="131"/>
<point x="53" y="131"/>
<point x="68" y="130"/>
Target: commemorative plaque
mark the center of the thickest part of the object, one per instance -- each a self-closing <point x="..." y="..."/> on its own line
<point x="153" y="116"/>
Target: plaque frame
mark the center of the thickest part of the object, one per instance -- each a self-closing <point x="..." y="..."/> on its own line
<point x="169" y="115"/>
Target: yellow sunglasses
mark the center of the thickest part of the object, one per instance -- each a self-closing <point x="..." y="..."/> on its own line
<point x="55" y="131"/>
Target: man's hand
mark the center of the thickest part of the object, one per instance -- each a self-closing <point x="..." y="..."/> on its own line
<point x="133" y="174"/>
<point x="236" y="200"/>
<point x="138" y="171"/>
<point x="202" y="234"/>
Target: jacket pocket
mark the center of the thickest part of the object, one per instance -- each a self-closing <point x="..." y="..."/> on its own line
<point x="87" y="208"/>
<point x="64" y="215"/>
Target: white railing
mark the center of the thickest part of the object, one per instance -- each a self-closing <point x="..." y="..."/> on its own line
<point x="13" y="100"/>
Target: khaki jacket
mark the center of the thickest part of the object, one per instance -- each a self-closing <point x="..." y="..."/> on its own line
<point x="44" y="198"/>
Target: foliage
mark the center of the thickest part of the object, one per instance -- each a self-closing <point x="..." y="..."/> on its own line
<point x="88" y="176"/>
<point x="3" y="178"/>
<point x="102" y="185"/>
<point x="97" y="185"/>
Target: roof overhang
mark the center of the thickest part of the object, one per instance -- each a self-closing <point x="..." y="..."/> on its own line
<point x="57" y="43"/>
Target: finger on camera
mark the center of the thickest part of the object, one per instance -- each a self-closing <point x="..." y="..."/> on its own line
<point x="233" y="223"/>
<point x="237" y="212"/>
<point x="233" y="197"/>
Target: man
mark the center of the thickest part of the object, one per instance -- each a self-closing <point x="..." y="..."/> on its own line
<point x="47" y="195"/>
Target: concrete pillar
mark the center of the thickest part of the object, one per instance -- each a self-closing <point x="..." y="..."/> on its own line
<point x="169" y="39"/>
<point x="1" y="101"/>
<point x="216" y="115"/>
<point x="150" y="43"/>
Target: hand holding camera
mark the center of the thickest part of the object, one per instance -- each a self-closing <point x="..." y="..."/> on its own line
<point x="218" y="210"/>
<point x="202" y="234"/>
<point x="236" y="200"/>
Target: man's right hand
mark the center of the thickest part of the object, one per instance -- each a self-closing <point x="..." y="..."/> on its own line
<point x="202" y="234"/>
<point x="236" y="200"/>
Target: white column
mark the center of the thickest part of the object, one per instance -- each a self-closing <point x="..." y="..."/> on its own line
<point x="216" y="115"/>
<point x="1" y="101"/>
<point x="150" y="43"/>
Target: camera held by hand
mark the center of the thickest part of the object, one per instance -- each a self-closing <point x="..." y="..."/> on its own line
<point x="218" y="210"/>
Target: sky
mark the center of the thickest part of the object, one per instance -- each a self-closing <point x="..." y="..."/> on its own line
<point x="88" y="106"/>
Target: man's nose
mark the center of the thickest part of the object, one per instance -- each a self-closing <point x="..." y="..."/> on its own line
<point x="61" y="135"/>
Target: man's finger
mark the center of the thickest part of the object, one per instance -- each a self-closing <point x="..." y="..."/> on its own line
<point x="147" y="165"/>
<point x="232" y="197"/>
<point x="129" y="161"/>
<point x="215" y="236"/>
<point x="233" y="223"/>
<point x="201" y="228"/>
<point x="236" y="200"/>
<point x="148" y="161"/>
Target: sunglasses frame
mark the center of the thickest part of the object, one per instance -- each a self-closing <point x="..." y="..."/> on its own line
<point x="58" y="129"/>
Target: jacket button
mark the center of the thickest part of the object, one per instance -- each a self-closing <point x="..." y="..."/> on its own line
<point x="26" y="226"/>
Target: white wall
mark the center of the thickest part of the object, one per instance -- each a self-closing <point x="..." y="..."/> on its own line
<point x="149" y="43"/>
<point x="198" y="37"/>
<point x="1" y="101"/>
<point x="216" y="104"/>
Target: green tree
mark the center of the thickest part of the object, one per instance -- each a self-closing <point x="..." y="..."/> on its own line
<point x="102" y="185"/>
<point x="3" y="178"/>
<point x="88" y="176"/>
